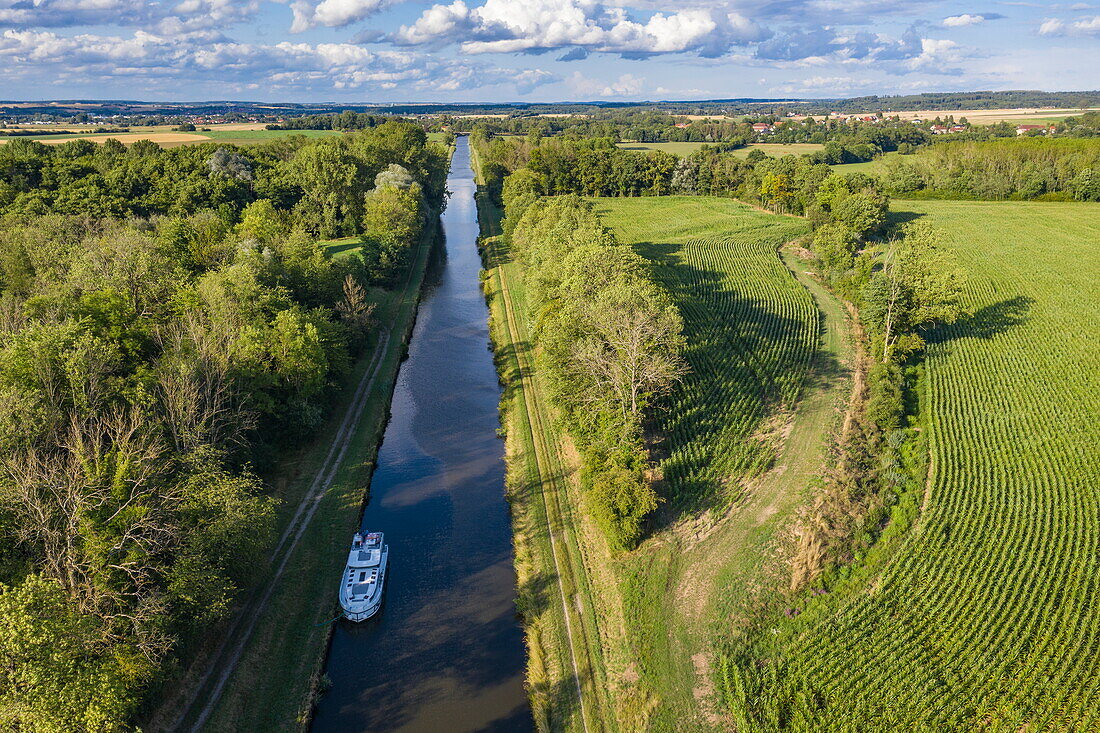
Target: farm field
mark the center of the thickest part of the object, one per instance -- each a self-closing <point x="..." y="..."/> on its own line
<point x="235" y="134"/>
<point x="875" y="167"/>
<point x="993" y="116"/>
<point x="982" y="616"/>
<point x="745" y="434"/>
<point x="773" y="149"/>
<point x="777" y="150"/>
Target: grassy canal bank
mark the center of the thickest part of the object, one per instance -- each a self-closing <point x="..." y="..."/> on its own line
<point x="263" y="670"/>
<point x="574" y="632"/>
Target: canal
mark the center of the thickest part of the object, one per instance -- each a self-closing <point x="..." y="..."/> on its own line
<point x="445" y="652"/>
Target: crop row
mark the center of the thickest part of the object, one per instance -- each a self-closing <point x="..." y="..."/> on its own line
<point x="751" y="330"/>
<point x="987" y="616"/>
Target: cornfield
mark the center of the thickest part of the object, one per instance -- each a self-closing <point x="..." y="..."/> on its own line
<point x="751" y="331"/>
<point x="986" y="614"/>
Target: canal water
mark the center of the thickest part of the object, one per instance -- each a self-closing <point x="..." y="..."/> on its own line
<point x="445" y="652"/>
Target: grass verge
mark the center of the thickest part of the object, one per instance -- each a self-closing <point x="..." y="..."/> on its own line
<point x="570" y="629"/>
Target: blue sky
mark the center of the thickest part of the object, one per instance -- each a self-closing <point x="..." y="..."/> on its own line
<point x="539" y="50"/>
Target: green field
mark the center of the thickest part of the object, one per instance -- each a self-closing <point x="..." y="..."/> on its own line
<point x="251" y="137"/>
<point x="674" y="148"/>
<point x="778" y="150"/>
<point x="875" y="167"/>
<point x="744" y="433"/>
<point x="745" y="436"/>
<point x="983" y="616"/>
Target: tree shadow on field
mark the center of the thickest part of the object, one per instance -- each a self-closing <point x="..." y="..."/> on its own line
<point x="896" y="219"/>
<point x="746" y="365"/>
<point x="986" y="322"/>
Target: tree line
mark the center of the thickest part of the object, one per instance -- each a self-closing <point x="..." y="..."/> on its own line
<point x="1058" y="168"/>
<point x="345" y="120"/>
<point x="608" y="340"/>
<point x="789" y="184"/>
<point x="157" y="350"/>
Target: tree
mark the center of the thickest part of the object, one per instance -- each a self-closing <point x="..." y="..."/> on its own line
<point x="863" y="213"/>
<point x="225" y="162"/>
<point x="776" y="191"/>
<point x="262" y="222"/>
<point x="835" y="246"/>
<point x="392" y="219"/>
<point x="297" y="351"/>
<point x="355" y="309"/>
<point x="57" y="674"/>
<point x="631" y="350"/>
<point x="1086" y="185"/>
<point x="918" y="286"/>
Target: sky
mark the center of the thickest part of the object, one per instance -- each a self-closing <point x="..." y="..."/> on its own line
<point x="372" y="51"/>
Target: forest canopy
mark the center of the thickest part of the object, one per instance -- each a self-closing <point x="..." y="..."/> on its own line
<point x="168" y="321"/>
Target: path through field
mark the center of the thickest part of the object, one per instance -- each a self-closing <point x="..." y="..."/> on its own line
<point x="746" y="433"/>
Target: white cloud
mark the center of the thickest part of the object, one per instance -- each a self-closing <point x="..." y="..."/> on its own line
<point x="207" y="56"/>
<point x="1051" y="27"/>
<point x="332" y="13"/>
<point x="958" y="21"/>
<point x="1079" y="27"/>
<point x="692" y="92"/>
<point x="935" y="55"/>
<point x="509" y="26"/>
<point x="818" y="85"/>
<point x="1088" y="26"/>
<point x="626" y="85"/>
<point x="165" y="17"/>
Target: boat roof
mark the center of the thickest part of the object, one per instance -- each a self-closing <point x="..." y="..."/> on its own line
<point x="364" y="558"/>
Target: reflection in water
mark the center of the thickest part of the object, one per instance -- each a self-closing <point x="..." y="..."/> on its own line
<point x="446" y="652"/>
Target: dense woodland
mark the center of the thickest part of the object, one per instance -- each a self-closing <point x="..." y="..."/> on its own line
<point x="790" y="184"/>
<point x="168" y="322"/>
<point x="1062" y="166"/>
<point x="346" y="120"/>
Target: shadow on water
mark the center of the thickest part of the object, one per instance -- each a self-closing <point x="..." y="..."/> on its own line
<point x="446" y="651"/>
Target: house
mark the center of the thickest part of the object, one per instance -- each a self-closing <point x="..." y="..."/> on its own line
<point x="939" y="129"/>
<point x="682" y="125"/>
<point x="761" y="127"/>
<point x="1025" y="129"/>
<point x="958" y="128"/>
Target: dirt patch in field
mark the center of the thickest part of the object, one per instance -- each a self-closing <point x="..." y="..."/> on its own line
<point x="704" y="688"/>
<point x="859" y="373"/>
